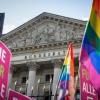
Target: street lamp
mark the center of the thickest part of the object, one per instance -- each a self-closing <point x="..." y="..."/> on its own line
<point x="50" y="89"/>
<point x="44" y="90"/>
<point x="38" y="81"/>
<point x="15" y="85"/>
<point x="38" y="88"/>
<point x="27" y="82"/>
<point x="31" y="90"/>
<point x="20" y="89"/>
<point x="26" y="86"/>
<point x="76" y="79"/>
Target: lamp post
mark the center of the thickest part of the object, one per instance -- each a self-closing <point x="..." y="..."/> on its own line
<point x="44" y="90"/>
<point x="20" y="89"/>
<point x="26" y="86"/>
<point x="15" y="85"/>
<point x="32" y="91"/>
<point x="50" y="89"/>
<point x="38" y="88"/>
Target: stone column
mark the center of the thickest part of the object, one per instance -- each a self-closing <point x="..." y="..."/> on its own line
<point x="57" y="70"/>
<point x="10" y="77"/>
<point x="31" y="78"/>
<point x="10" y="85"/>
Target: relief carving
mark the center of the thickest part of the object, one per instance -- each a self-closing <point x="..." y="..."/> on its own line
<point x="76" y="33"/>
<point x="50" y="33"/>
<point x="40" y="38"/>
<point x="62" y="35"/>
<point x="14" y="44"/>
<point x="45" y="33"/>
<point x="28" y="38"/>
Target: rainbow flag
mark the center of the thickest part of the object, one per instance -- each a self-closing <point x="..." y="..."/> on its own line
<point x="66" y="81"/>
<point x="90" y="50"/>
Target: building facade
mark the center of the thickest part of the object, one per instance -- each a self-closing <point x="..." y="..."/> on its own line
<point x="38" y="48"/>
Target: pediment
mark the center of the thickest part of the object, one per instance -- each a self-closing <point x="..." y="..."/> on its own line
<point x="43" y="29"/>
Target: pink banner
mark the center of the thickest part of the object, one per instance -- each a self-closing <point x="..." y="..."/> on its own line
<point x="13" y="95"/>
<point x="87" y="91"/>
<point x="5" y="57"/>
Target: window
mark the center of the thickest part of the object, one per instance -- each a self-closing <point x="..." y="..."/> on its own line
<point x="48" y="77"/>
<point x="44" y="55"/>
<point x="58" y="53"/>
<point x="39" y="55"/>
<point x="53" y="53"/>
<point x="23" y="79"/>
<point x="48" y="54"/>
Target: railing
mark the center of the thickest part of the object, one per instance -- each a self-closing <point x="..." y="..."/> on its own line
<point x="43" y="97"/>
<point x="22" y="88"/>
<point x="43" y="91"/>
<point x="40" y="88"/>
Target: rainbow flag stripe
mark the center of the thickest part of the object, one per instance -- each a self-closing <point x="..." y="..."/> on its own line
<point x="90" y="50"/>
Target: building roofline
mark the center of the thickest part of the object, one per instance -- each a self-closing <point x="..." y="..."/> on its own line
<point x="44" y="14"/>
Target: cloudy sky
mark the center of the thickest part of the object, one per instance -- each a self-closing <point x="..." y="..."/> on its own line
<point x="18" y="12"/>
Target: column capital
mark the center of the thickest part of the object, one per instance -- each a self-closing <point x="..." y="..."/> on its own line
<point x="32" y="65"/>
<point x="57" y="62"/>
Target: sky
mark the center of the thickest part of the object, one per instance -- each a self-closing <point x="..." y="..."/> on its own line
<point x="17" y="12"/>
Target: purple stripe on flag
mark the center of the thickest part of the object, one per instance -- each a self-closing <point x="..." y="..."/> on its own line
<point x="63" y="84"/>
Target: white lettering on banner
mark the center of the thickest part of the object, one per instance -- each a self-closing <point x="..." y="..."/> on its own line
<point x="88" y="88"/>
<point x="89" y="98"/>
<point x="14" y="98"/>
<point x="2" y="91"/>
<point x="2" y="55"/>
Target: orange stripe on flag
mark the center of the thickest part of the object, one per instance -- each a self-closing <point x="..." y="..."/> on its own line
<point x="72" y="61"/>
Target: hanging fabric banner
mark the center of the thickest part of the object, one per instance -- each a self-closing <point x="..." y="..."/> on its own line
<point x="5" y="57"/>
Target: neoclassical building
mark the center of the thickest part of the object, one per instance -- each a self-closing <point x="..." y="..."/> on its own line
<point x="38" y="48"/>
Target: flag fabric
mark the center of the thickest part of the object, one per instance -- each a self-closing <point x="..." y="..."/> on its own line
<point x="66" y="80"/>
<point x="90" y="49"/>
<point x="1" y="22"/>
<point x="87" y="90"/>
<point x="5" y="58"/>
<point x="13" y="95"/>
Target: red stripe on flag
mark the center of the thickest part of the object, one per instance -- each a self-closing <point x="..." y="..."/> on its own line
<point x="96" y="7"/>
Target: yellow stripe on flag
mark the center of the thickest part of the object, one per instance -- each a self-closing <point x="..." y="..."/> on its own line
<point x="95" y="22"/>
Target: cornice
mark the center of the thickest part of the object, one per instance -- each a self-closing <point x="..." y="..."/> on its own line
<point x="49" y="46"/>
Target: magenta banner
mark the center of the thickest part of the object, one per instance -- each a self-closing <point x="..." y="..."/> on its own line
<point x="87" y="91"/>
<point x="5" y="57"/>
<point x="13" y="95"/>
